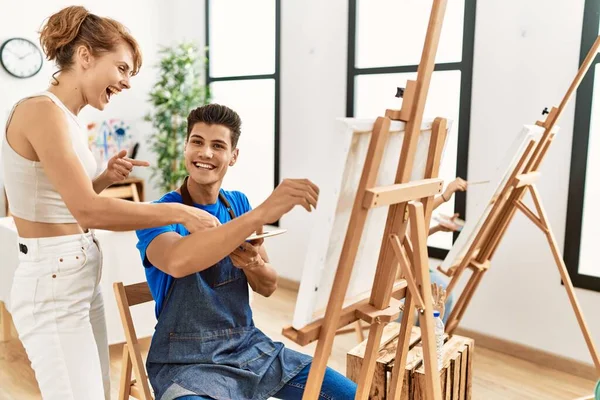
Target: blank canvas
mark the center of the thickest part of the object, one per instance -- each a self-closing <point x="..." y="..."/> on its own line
<point x="338" y="183"/>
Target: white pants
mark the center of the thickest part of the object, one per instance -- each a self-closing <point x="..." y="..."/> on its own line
<point x="57" y="308"/>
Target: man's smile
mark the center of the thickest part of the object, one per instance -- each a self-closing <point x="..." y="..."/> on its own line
<point x="204" y="165"/>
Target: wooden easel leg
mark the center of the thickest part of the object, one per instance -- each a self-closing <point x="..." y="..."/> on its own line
<point x="463" y="302"/>
<point x="402" y="349"/>
<point x="343" y="273"/>
<point x="421" y="267"/>
<point x="125" y="384"/>
<point x="359" y="331"/>
<point x="367" y="371"/>
<point x="5" y="324"/>
<point x="564" y="274"/>
<point x="408" y="248"/>
<point x="478" y="277"/>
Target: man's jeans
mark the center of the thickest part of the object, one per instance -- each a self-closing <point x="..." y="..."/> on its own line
<point x="335" y="387"/>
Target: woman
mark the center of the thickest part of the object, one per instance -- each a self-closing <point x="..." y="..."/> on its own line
<point x="440" y="281"/>
<point x="53" y="194"/>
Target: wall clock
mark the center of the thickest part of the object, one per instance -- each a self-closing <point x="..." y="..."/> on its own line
<point x="21" y="58"/>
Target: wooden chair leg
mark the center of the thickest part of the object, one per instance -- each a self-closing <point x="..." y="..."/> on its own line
<point x="125" y="385"/>
<point x="5" y="324"/>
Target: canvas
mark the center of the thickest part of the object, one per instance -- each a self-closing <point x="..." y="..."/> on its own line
<point x="338" y="183"/>
<point x="482" y="209"/>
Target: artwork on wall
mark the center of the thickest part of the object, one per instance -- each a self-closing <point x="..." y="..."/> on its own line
<point x="108" y="137"/>
<point x="338" y="185"/>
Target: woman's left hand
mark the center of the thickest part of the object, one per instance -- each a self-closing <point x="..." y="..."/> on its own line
<point x="449" y="225"/>
<point x="456" y="185"/>
<point x="119" y="167"/>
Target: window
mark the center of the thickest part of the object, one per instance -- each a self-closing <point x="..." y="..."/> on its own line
<point x="243" y="40"/>
<point x="375" y="70"/>
<point x="583" y="230"/>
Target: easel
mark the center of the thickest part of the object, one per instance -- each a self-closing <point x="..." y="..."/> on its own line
<point x="479" y="255"/>
<point x="402" y="198"/>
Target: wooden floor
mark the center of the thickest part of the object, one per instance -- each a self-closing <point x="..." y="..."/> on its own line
<point x="496" y="376"/>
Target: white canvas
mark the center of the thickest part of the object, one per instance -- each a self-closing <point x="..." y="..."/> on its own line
<point x="483" y="208"/>
<point x="338" y="183"/>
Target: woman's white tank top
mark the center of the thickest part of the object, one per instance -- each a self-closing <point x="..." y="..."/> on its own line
<point x="31" y="195"/>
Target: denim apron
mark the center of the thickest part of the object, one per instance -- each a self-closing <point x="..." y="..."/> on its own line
<point x="206" y="343"/>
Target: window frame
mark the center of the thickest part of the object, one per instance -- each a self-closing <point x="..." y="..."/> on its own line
<point x="275" y="76"/>
<point x="579" y="153"/>
<point x="465" y="66"/>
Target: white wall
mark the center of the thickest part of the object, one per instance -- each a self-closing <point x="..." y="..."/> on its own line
<point x="145" y="19"/>
<point x="186" y="21"/>
<point x="526" y="55"/>
<point x="314" y="37"/>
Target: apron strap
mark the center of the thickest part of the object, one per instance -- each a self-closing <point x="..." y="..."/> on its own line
<point x="187" y="198"/>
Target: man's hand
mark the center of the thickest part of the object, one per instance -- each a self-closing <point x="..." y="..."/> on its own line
<point x="252" y="258"/>
<point x="246" y="257"/>
<point x="453" y="187"/>
<point x="258" y="242"/>
<point x="290" y="193"/>
<point x="119" y="167"/>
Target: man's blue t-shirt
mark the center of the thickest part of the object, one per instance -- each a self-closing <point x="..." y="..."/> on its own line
<point x="160" y="282"/>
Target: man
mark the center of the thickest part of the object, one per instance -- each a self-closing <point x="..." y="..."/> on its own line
<point x="205" y="344"/>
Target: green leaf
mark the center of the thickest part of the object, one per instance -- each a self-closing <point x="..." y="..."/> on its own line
<point x="178" y="89"/>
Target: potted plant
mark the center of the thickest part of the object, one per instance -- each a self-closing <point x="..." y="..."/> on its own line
<point x="179" y="89"/>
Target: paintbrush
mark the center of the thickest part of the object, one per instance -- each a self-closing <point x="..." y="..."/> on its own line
<point x="469" y="183"/>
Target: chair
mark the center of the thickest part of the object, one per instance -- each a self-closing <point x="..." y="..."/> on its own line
<point x="128" y="296"/>
<point x="127" y="191"/>
<point x="7" y="329"/>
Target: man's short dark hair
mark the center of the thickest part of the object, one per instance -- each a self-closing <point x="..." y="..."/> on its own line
<point x="216" y="114"/>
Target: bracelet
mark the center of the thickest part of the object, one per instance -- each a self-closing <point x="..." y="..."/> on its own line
<point x="444" y="198"/>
